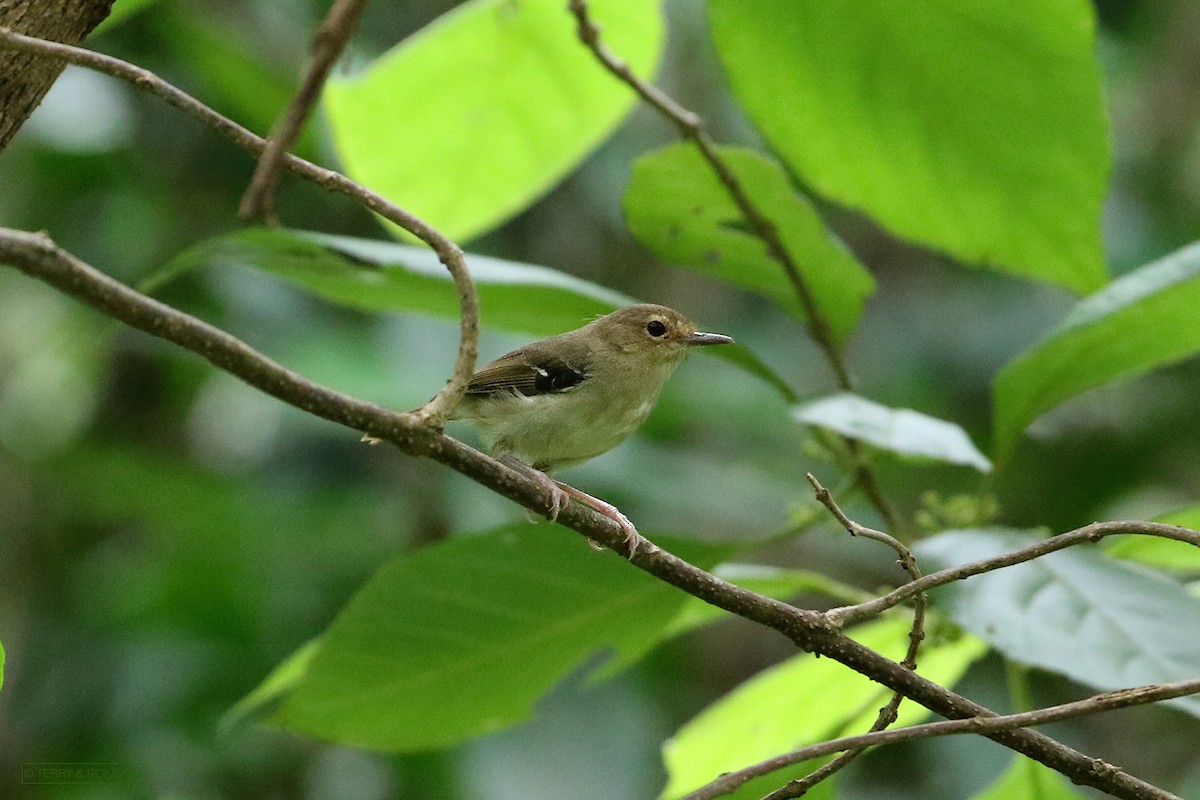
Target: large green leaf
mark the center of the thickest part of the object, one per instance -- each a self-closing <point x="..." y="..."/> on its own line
<point x="462" y="638"/>
<point x="1158" y="552"/>
<point x="678" y="208"/>
<point x="374" y="275"/>
<point x="1026" y="779"/>
<point x="897" y="430"/>
<point x="799" y="702"/>
<point x="1076" y="612"/>
<point x="475" y="116"/>
<point x="1143" y="320"/>
<point x="972" y="126"/>
<point x="693" y="614"/>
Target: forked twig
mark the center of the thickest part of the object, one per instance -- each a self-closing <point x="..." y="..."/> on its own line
<point x="916" y="635"/>
<point x="1106" y="701"/>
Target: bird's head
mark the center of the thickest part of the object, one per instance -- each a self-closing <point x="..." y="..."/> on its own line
<point x="655" y="331"/>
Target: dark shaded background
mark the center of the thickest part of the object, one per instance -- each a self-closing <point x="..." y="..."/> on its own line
<point x="167" y="535"/>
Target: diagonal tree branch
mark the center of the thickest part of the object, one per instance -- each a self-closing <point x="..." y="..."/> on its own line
<point x="37" y="256"/>
<point x="916" y="634"/>
<point x="259" y="200"/>
<point x="1106" y="701"/>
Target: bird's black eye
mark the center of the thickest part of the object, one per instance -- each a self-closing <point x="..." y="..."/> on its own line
<point x="656" y="328"/>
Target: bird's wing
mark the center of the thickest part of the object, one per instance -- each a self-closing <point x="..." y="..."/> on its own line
<point x="527" y="374"/>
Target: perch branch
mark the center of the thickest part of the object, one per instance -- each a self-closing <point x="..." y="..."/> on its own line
<point x="37" y="256"/>
<point x="259" y="200"/>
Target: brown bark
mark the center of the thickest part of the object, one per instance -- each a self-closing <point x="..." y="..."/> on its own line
<point x="24" y="78"/>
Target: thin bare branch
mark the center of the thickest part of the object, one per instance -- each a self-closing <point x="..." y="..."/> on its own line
<point x="1106" y="701"/>
<point x="691" y="128"/>
<point x="848" y="615"/>
<point x="916" y="634"/>
<point x="38" y="256"/>
<point x="435" y="411"/>
<point x="259" y="200"/>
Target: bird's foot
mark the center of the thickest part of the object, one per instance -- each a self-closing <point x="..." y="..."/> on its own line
<point x="562" y="494"/>
<point x="633" y="539"/>
<point x="558" y="498"/>
<point x="369" y="439"/>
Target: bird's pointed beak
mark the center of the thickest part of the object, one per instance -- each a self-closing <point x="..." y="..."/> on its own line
<point x="699" y="338"/>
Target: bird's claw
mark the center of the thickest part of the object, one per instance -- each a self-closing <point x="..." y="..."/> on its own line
<point x="633" y="539"/>
<point x="559" y="500"/>
<point x="562" y="494"/>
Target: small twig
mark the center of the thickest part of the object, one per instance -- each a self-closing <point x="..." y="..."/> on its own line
<point x="259" y="200"/>
<point x="916" y="635"/>
<point x="1105" y="701"/>
<point x="848" y="615"/>
<point x="691" y="128"/>
<point x="434" y="412"/>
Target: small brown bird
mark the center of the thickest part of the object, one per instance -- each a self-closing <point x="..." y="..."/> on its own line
<point x="569" y="398"/>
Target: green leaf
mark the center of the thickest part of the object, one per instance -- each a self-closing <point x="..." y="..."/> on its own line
<point x="974" y="127"/>
<point x="474" y="117"/>
<point x="1158" y="552"/>
<point x="678" y="208"/>
<point x="756" y="721"/>
<point x="897" y="430"/>
<point x="1075" y="612"/>
<point x="1143" y="320"/>
<point x="461" y="638"/>
<point x="373" y="275"/>
<point x="274" y="688"/>
<point x="1026" y="779"/>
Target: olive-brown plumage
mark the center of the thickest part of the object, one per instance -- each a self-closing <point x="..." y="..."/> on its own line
<point x="563" y="400"/>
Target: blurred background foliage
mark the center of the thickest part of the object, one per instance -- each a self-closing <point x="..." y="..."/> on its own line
<point x="167" y="535"/>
